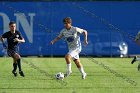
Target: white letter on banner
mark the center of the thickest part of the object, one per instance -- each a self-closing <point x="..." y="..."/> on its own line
<point x="6" y="21"/>
<point x="28" y="28"/>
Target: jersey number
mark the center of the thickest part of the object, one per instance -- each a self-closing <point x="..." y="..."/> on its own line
<point x="70" y="39"/>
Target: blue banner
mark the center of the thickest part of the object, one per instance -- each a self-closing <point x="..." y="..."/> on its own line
<point x="111" y="26"/>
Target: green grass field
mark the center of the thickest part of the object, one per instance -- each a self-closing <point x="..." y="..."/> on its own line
<point x="104" y="75"/>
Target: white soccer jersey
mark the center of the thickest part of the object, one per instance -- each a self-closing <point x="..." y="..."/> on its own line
<point x="137" y="36"/>
<point x="72" y="37"/>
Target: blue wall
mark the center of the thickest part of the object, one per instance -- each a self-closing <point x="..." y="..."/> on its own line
<point x="40" y="22"/>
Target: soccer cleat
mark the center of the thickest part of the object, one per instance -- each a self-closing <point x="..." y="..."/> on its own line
<point x="15" y="73"/>
<point x="84" y="76"/>
<point x="67" y="73"/>
<point x="134" y="60"/>
<point x="21" y="73"/>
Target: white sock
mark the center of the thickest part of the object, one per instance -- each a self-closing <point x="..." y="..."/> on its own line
<point x="81" y="70"/>
<point x="69" y="67"/>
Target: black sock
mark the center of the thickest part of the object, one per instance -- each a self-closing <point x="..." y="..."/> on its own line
<point x="19" y="64"/>
<point x="14" y="66"/>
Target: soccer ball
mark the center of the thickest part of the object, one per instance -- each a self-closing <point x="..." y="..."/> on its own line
<point x="59" y="76"/>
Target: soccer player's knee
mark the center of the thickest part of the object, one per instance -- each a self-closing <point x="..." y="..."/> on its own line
<point x="67" y="56"/>
<point x="17" y="56"/>
<point x="77" y="62"/>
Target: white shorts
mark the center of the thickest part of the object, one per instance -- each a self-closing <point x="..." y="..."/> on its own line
<point x="74" y="53"/>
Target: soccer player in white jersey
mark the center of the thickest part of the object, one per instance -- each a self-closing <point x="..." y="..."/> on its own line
<point x="71" y="35"/>
<point x="137" y="41"/>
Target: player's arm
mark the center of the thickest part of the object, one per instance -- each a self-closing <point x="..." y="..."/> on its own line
<point x="85" y="37"/>
<point x="2" y="40"/>
<point x="22" y="40"/>
<point x="79" y="30"/>
<point x="56" y="39"/>
<point x="137" y="41"/>
<point x="137" y="38"/>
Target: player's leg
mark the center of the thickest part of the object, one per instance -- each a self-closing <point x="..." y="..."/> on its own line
<point x="80" y="67"/>
<point x="135" y="59"/>
<point x="14" y="67"/>
<point x="18" y="60"/>
<point x="68" y="62"/>
<point x="11" y="54"/>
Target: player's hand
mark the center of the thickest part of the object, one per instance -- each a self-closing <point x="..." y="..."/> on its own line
<point x="52" y="42"/>
<point x="85" y="42"/>
<point x="16" y="40"/>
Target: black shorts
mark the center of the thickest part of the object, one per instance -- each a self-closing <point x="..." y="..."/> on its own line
<point x="11" y="53"/>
